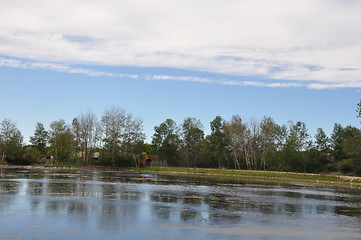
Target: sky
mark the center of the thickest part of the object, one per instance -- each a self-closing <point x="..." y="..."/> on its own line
<point x="292" y="60"/>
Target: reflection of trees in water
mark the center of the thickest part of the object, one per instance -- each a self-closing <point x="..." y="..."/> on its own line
<point x="131" y="196"/>
<point x="35" y="204"/>
<point x="117" y="216"/>
<point x="119" y="191"/>
<point x="78" y="207"/>
<point x="224" y="218"/>
<point x="192" y="207"/>
<point x="164" y="197"/>
<point x="109" y="210"/>
<point x="161" y="211"/>
<point x="2" y="172"/>
<point x="8" y="194"/>
<point x="36" y="188"/>
<point x="193" y="199"/>
<point x="9" y="187"/>
<point x="348" y="211"/>
<point x="293" y="202"/>
<point x="114" y="205"/>
<point x="218" y="201"/>
<point x="187" y="215"/>
<point x="291" y="209"/>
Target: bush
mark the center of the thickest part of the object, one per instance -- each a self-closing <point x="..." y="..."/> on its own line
<point x="331" y="167"/>
<point x="346" y="166"/>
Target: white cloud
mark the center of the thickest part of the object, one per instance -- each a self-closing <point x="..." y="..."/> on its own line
<point x="14" y="63"/>
<point x="278" y="39"/>
<point x="180" y="78"/>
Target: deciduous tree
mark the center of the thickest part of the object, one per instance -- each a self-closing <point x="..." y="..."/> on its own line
<point x="132" y="142"/>
<point x="166" y="142"/>
<point x="192" y="136"/>
<point x="61" y="142"/>
<point x="11" y="141"/>
<point x="352" y="147"/>
<point x="270" y="139"/>
<point x="217" y="142"/>
<point x="123" y="135"/>
<point x="235" y="132"/>
<point x="89" y="134"/>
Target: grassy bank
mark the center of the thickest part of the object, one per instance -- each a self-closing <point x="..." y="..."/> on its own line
<point x="227" y="174"/>
<point x="255" y="175"/>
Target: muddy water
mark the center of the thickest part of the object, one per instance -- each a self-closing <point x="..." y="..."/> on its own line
<point x="54" y="204"/>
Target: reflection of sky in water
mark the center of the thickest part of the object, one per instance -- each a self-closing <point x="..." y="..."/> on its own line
<point x="96" y="205"/>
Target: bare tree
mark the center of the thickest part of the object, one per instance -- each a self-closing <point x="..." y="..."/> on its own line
<point x="88" y="130"/>
<point x="254" y="129"/>
<point x="235" y="132"/>
<point x="270" y="136"/>
<point x="132" y="138"/>
<point x="123" y="134"/>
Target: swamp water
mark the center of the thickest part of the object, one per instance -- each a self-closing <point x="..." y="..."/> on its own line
<point x="67" y="204"/>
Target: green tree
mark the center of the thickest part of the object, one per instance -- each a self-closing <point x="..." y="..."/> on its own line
<point x="11" y="142"/>
<point x="40" y="138"/>
<point x="217" y="143"/>
<point x="61" y="142"/>
<point x="138" y="150"/>
<point x="337" y="138"/>
<point x="320" y="154"/>
<point x="270" y="140"/>
<point x="359" y="109"/>
<point x="298" y="138"/>
<point x="352" y="148"/>
<point x="32" y="155"/>
<point x="193" y="135"/>
<point x="322" y="142"/>
<point x="166" y="142"/>
<point x="294" y="153"/>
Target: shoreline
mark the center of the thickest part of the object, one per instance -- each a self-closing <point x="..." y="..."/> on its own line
<point x="230" y="174"/>
<point x="258" y="175"/>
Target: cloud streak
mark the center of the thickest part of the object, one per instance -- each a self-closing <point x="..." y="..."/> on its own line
<point x="67" y="68"/>
<point x="310" y="43"/>
<point x="16" y="63"/>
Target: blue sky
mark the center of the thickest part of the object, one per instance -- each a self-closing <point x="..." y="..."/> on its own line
<point x="293" y="60"/>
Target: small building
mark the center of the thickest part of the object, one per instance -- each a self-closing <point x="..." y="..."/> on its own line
<point x="147" y="160"/>
<point x="329" y="157"/>
<point x="95" y="155"/>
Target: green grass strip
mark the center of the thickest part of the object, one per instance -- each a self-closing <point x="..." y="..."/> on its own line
<point x="257" y="175"/>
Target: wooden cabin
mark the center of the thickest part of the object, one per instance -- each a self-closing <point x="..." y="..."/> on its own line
<point x="147" y="160"/>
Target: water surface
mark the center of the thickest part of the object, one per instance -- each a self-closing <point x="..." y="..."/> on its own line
<point x="72" y="204"/>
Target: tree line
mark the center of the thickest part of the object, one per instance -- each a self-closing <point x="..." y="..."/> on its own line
<point x="117" y="139"/>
